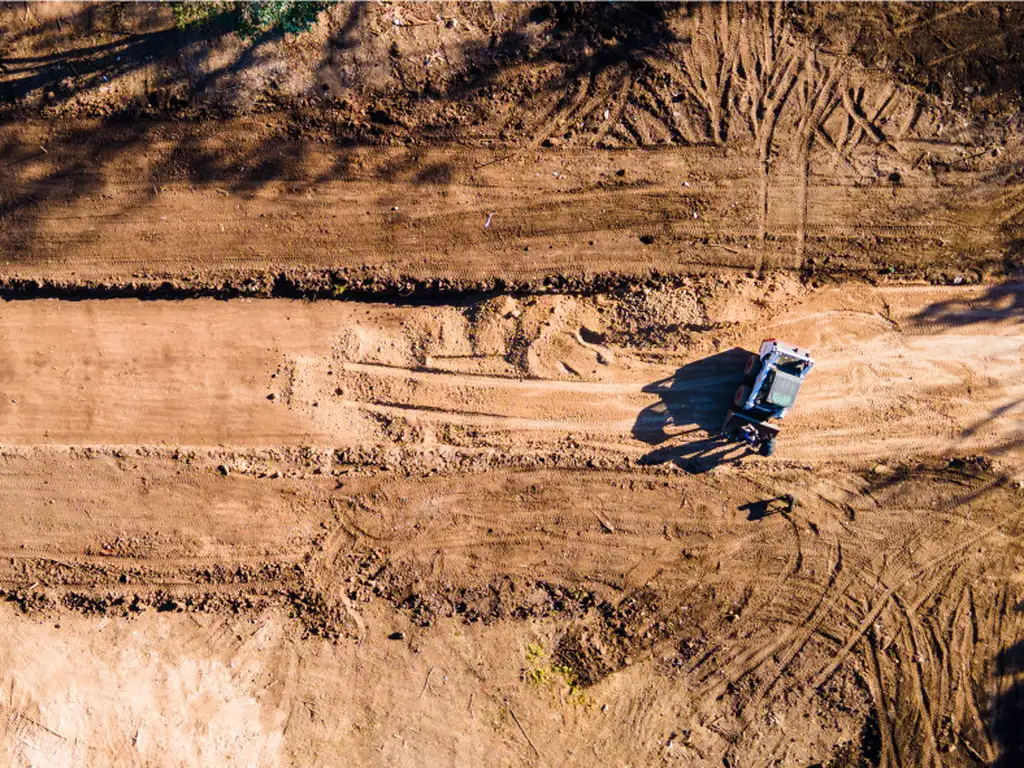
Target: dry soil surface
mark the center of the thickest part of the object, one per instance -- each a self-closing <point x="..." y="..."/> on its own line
<point x="360" y="390"/>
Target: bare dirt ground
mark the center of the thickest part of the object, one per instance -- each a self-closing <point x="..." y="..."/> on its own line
<point x="360" y="390"/>
<point x="234" y="203"/>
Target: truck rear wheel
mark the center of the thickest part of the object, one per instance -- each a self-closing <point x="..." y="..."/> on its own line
<point x="767" y="447"/>
<point x="740" y="398"/>
<point x="751" y="368"/>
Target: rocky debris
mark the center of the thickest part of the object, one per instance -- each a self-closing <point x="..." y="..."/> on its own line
<point x="659" y="315"/>
<point x="320" y="617"/>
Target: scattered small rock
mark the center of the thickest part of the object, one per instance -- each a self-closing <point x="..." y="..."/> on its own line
<point x="222" y="468"/>
<point x="396" y="636"/>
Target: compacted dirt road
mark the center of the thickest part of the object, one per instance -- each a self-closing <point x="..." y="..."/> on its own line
<point x="360" y="389"/>
<point x="902" y="372"/>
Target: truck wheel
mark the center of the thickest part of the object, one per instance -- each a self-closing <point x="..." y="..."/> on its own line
<point x="751" y="368"/>
<point x="767" y="447"/>
<point x="740" y="398"/>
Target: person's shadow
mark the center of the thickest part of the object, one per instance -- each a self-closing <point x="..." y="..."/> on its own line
<point x="759" y="510"/>
<point x="684" y="424"/>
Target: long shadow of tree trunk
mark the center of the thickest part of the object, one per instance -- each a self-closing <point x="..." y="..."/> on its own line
<point x="1006" y="717"/>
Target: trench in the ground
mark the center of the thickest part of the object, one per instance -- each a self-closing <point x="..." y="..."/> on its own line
<point x="409" y="290"/>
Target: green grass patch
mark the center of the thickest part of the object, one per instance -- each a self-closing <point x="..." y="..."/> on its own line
<point x="559" y="679"/>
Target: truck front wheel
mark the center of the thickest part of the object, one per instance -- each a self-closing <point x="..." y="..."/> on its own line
<point x="740" y="398"/>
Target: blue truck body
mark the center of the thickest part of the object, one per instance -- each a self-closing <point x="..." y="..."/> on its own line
<point x="772" y="380"/>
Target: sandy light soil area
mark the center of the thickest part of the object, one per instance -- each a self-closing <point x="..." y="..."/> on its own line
<point x="361" y="389"/>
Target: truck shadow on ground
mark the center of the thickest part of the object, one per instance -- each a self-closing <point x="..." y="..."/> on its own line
<point x="684" y="424"/>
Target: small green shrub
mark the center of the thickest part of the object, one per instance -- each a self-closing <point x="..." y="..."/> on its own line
<point x="250" y="19"/>
<point x="291" y="16"/>
<point x="196" y="14"/>
<point x="534" y="651"/>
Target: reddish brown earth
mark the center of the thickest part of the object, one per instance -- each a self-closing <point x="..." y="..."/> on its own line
<point x="360" y="390"/>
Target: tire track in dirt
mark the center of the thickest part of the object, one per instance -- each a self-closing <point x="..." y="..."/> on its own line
<point x="686" y="614"/>
<point x="925" y="716"/>
<point x="880" y="690"/>
<point x="968" y="665"/>
<point x="928" y="696"/>
<point x="476" y="530"/>
<point x="882" y="603"/>
<point x="891" y="744"/>
<point x="33" y="740"/>
<point x="802" y="633"/>
<point x="739" y="662"/>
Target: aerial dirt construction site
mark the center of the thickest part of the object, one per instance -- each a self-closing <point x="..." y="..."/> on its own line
<point x="512" y="384"/>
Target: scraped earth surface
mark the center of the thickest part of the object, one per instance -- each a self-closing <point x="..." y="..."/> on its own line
<point x="904" y="373"/>
<point x="360" y="390"/>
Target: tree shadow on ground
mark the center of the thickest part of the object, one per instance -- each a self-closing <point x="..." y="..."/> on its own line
<point x="569" y="45"/>
<point x="584" y="39"/>
<point x="693" y="402"/>
<point x="84" y="69"/>
<point x="1010" y="410"/>
<point x="1000" y="302"/>
<point x="1006" y="714"/>
<point x="952" y="51"/>
<point x="92" y="65"/>
<point x="180" y="150"/>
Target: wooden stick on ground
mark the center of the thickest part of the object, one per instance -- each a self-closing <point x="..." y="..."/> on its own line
<point x="525" y="734"/>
